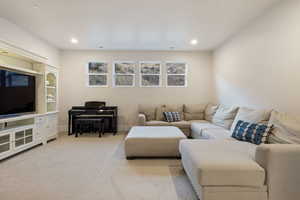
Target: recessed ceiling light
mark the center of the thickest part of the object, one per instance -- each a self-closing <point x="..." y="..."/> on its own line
<point x="194" y="42"/>
<point x="74" y="40"/>
<point x="35" y="4"/>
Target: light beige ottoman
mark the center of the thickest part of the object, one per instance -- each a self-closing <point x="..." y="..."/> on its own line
<point x="153" y="141"/>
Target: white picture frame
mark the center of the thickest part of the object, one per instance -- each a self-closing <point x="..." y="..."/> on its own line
<point x="129" y="70"/>
<point x="155" y="65"/>
<point x="97" y="69"/>
<point x="181" y="71"/>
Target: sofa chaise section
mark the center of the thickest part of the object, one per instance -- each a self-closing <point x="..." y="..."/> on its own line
<point x="223" y="169"/>
<point x="281" y="163"/>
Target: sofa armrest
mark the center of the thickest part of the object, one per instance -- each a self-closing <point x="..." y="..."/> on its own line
<point x="142" y="119"/>
<point x="282" y="164"/>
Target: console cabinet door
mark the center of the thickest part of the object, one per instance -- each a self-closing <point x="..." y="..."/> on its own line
<point x="41" y="130"/>
<point x="47" y="127"/>
<point x="52" y="125"/>
<point x="5" y="144"/>
<point x="23" y="138"/>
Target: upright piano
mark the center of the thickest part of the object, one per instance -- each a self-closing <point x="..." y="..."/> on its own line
<point x="108" y="113"/>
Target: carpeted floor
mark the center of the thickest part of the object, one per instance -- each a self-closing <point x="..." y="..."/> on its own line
<point x="91" y="168"/>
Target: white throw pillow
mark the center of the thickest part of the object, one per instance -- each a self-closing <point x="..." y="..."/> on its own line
<point x="251" y="116"/>
<point x="286" y="128"/>
<point x="225" y="116"/>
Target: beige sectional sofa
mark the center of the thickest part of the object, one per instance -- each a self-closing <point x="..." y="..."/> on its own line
<point x="152" y="115"/>
<point x="222" y="168"/>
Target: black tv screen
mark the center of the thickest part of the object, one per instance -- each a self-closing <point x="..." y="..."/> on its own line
<point x="17" y="93"/>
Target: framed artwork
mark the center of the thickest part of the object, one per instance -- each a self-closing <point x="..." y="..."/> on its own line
<point x="97" y="74"/>
<point x="176" y="74"/>
<point x="124" y="73"/>
<point x="150" y="74"/>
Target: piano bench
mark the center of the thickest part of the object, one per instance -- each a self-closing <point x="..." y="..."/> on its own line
<point x="84" y="124"/>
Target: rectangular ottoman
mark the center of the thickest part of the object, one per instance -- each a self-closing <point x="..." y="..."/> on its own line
<point x="153" y="141"/>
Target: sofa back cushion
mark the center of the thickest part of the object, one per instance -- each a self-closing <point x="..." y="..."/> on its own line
<point x="252" y="116"/>
<point x="168" y="108"/>
<point x="149" y="111"/>
<point x="251" y="132"/>
<point x="224" y="116"/>
<point x="210" y="111"/>
<point x="286" y="128"/>
<point x="194" y="111"/>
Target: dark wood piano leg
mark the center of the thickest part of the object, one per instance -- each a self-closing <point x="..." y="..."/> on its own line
<point x="115" y="125"/>
<point x="102" y="128"/>
<point x="69" y="124"/>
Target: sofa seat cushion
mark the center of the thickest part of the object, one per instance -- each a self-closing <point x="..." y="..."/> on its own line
<point x="216" y="134"/>
<point x="179" y="124"/>
<point x="157" y="123"/>
<point x="199" y="126"/>
<point x="221" y="163"/>
<point x="197" y="121"/>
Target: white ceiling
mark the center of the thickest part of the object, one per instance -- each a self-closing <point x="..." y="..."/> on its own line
<point x="133" y="24"/>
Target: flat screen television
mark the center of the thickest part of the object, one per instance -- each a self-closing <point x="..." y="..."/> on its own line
<point x="17" y="93"/>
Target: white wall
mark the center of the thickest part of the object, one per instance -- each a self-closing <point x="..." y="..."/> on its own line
<point x="260" y="66"/>
<point x="73" y="90"/>
<point x="15" y="35"/>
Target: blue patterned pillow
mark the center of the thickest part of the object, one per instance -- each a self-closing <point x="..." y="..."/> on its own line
<point x="172" y="116"/>
<point x="253" y="133"/>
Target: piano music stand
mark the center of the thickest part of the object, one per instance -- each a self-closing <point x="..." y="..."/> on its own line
<point x="94" y="104"/>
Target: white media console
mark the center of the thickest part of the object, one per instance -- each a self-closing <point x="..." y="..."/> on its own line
<point x="20" y="133"/>
<point x="26" y="131"/>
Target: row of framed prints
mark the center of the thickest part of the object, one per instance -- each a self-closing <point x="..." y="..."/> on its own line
<point x="149" y="72"/>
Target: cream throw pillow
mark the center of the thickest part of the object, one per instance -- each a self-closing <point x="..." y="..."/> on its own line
<point x="251" y="116"/>
<point x="225" y="116"/>
<point x="286" y="128"/>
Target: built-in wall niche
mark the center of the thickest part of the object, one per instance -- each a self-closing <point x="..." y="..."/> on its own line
<point x="51" y="91"/>
<point x="51" y="79"/>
